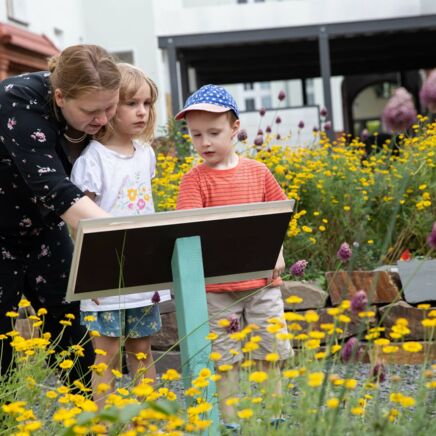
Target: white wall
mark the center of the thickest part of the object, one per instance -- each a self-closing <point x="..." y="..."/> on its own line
<point x="175" y="19"/>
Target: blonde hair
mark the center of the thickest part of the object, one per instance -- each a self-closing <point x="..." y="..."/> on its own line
<point x="82" y="68"/>
<point x="132" y="79"/>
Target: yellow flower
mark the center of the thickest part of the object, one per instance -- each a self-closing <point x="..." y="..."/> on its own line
<point x="272" y="357"/>
<point x="70" y="316"/>
<point x="407" y="401"/>
<point x="214" y="356"/>
<point x="132" y="194"/>
<point x="51" y="394"/>
<point x="89" y="318"/>
<point x="24" y="303"/>
<point x="141" y="356"/>
<point x="171" y="374"/>
<point x="12" y="314"/>
<point x="315" y="379"/>
<point x="232" y="401"/>
<point x="42" y="311"/>
<point x="294" y="299"/>
<point x="347" y="208"/>
<point x="258" y="376"/>
<point x="332" y="403"/>
<point x="311" y="316"/>
<point x="100" y="352"/>
<point x="291" y="373"/>
<point x="350" y="383"/>
<point x="412" y="347"/>
<point x="205" y="372"/>
<point x="245" y="413"/>
<point x="94" y="333"/>
<point x="103" y="388"/>
<point x="424" y="306"/>
<point x="116" y="373"/>
<point x="211" y="336"/>
<point x="357" y="411"/>
<point x="225" y="368"/>
<point x="223" y="323"/>
<point x="66" y="364"/>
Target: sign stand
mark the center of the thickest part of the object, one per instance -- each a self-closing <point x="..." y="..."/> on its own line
<point x="192" y="320"/>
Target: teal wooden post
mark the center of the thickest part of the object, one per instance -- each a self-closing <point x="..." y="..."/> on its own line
<point x="192" y="317"/>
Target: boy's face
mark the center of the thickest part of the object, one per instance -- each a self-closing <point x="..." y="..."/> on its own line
<point x="212" y="136"/>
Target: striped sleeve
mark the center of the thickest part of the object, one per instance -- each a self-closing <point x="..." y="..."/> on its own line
<point x="273" y="191"/>
<point x="189" y="192"/>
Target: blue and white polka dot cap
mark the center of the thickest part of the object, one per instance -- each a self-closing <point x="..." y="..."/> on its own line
<point x="209" y="98"/>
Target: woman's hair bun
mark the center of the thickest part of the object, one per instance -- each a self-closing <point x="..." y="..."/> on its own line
<point x="52" y="63"/>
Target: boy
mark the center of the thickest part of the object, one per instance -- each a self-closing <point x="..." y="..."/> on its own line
<point x="223" y="179"/>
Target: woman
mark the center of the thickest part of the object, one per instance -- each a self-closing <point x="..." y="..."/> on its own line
<point x="45" y="122"/>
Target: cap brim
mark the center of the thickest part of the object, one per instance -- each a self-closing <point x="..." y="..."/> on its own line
<point x="207" y="107"/>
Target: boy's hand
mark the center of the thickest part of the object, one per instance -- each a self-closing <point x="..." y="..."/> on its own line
<point x="96" y="301"/>
<point x="280" y="266"/>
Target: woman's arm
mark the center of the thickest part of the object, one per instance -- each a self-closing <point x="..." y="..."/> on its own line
<point x="82" y="209"/>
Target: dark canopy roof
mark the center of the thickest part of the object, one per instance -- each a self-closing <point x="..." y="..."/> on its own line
<point x="364" y="47"/>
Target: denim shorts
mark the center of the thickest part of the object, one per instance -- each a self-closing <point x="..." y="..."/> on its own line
<point x="130" y="323"/>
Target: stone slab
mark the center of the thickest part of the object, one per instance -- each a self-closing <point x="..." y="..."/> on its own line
<point x="378" y="285"/>
<point x="313" y="296"/>
<point x="390" y="313"/>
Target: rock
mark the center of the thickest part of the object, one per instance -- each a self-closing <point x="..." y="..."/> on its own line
<point x="379" y="286"/>
<point x="401" y="309"/>
<point x="403" y="357"/>
<point x="165" y="360"/>
<point x="168" y="335"/>
<point x="313" y="297"/>
<point x="418" y="280"/>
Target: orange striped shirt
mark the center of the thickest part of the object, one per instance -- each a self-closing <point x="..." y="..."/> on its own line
<point x="249" y="182"/>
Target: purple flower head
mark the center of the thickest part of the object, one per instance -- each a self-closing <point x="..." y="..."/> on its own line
<point x="301" y="124"/>
<point x="431" y="239"/>
<point x="351" y="350"/>
<point x="282" y="95"/>
<point x="364" y="134"/>
<point x="262" y="111"/>
<point x="344" y="253"/>
<point x="359" y="301"/>
<point x="155" y="298"/>
<point x="427" y="94"/>
<point x="258" y="140"/>
<point x="278" y="137"/>
<point x="298" y="268"/>
<point x="323" y="112"/>
<point x="378" y="372"/>
<point x="242" y="135"/>
<point x="234" y="325"/>
<point x="315" y="129"/>
<point x="399" y="113"/>
<point x="260" y="132"/>
<point x="268" y="129"/>
<point x="278" y="119"/>
<point x="327" y="126"/>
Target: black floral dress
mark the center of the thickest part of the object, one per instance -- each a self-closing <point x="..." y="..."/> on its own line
<point x="35" y="247"/>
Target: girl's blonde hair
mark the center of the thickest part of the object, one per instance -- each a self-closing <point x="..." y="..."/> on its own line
<point x="132" y="79"/>
<point x="82" y="68"/>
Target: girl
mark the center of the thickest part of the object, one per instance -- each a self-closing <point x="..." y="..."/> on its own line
<point x="115" y="170"/>
<point x="46" y="118"/>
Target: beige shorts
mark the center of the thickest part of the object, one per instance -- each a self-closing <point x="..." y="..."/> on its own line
<point x="249" y="307"/>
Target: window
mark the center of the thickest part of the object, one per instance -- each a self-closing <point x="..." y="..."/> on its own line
<point x="17" y="11"/>
<point x="265" y="85"/>
<point x="248" y="86"/>
<point x="266" y="102"/>
<point x="124" y="56"/>
<point x="250" y="104"/>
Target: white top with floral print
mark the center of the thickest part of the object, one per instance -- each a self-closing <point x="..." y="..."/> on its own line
<point x="122" y="185"/>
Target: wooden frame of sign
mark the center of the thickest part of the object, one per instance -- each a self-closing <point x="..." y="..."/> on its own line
<point x="122" y="255"/>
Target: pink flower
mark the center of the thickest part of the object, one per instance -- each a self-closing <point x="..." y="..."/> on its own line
<point x="11" y="123"/>
<point x="359" y="301"/>
<point x="301" y="124"/>
<point x="323" y="112"/>
<point x="351" y="350"/>
<point x="298" y="268"/>
<point x="282" y="95"/>
<point x="141" y="203"/>
<point x="344" y="253"/>
<point x="431" y="239"/>
<point x="234" y="326"/>
<point x="155" y="298"/>
<point x="427" y="94"/>
<point x="258" y="140"/>
<point x="262" y="111"/>
<point x="399" y="113"/>
<point x="242" y="135"/>
<point x="378" y="372"/>
<point x="38" y="136"/>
